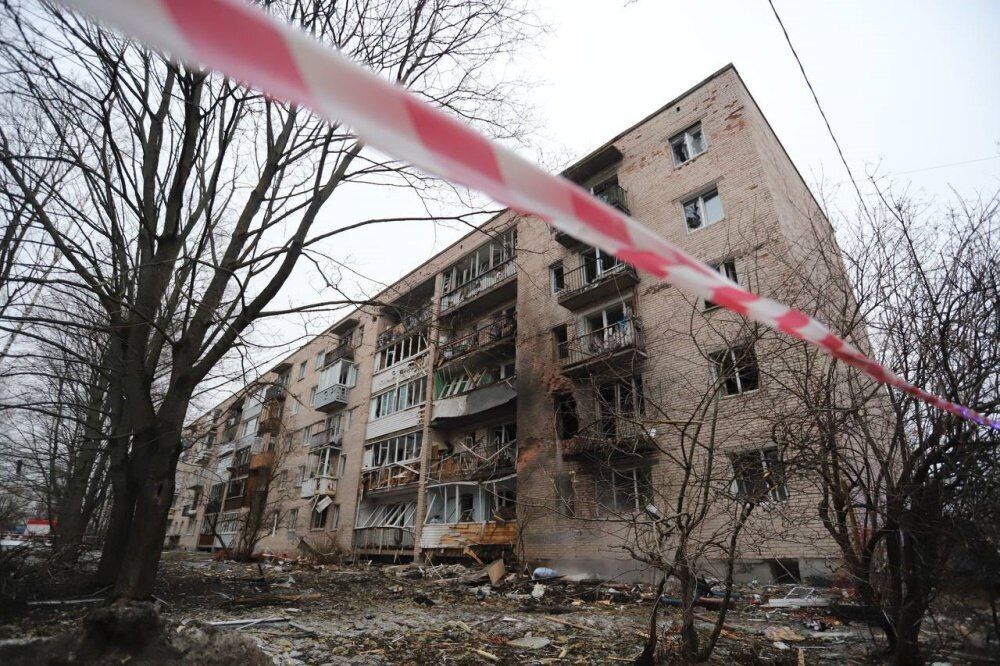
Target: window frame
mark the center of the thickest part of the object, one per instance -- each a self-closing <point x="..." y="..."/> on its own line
<point x="723" y="268"/>
<point x="699" y="201"/>
<point x="731" y="356"/>
<point x="685" y="137"/>
<point x="771" y="466"/>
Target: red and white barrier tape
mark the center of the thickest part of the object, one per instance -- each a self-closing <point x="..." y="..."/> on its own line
<point x="286" y="63"/>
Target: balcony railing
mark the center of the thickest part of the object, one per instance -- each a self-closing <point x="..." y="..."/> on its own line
<point x="325" y="438"/>
<point x="596" y="279"/>
<point x="614" y="195"/>
<point x="390" y="476"/>
<point x="483" y="459"/>
<point x="343" y="350"/>
<point x="410" y="321"/>
<point x="318" y="485"/>
<point x="617" y="435"/>
<point x="275" y="392"/>
<point x="479" y="285"/>
<point x="501" y="328"/>
<point x="332" y="396"/>
<point x="603" y="344"/>
<point x="383" y="538"/>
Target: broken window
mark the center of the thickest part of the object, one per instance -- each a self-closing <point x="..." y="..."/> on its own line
<point x="688" y="144"/>
<point x="402" y="448"/>
<point x="401" y="350"/>
<point x="703" y="210"/>
<point x="318" y="519"/>
<point x="561" y="337"/>
<point x="597" y="262"/>
<point x="737" y="369"/>
<point x="728" y="270"/>
<point x="567" y="422"/>
<point x="557" y="277"/>
<point x="759" y="474"/>
<point x="618" y="404"/>
<point x="623" y="490"/>
<point x="399" y="398"/>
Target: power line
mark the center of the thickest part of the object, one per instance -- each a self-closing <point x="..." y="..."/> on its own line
<point x="818" y="105"/>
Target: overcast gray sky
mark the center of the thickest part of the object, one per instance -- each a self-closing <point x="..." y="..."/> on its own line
<point x="909" y="87"/>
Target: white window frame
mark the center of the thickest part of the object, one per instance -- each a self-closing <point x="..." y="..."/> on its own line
<point x="699" y="201"/>
<point x="731" y="353"/>
<point x="726" y="268"/>
<point x="303" y="367"/>
<point x="552" y="277"/>
<point x="776" y="492"/>
<point x="687" y="137"/>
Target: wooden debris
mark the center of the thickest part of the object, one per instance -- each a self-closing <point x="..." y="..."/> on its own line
<point x="582" y="627"/>
<point x="486" y="655"/>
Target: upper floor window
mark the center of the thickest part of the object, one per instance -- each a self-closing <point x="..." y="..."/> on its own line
<point x="688" y="144"/>
<point x="402" y="448"/>
<point x="484" y="259"/>
<point x="728" y="270"/>
<point x="759" y="474"/>
<point x="597" y="262"/>
<point x="302" y="369"/>
<point x="400" y="397"/>
<point x="401" y="350"/>
<point x="737" y="369"/>
<point x="703" y="210"/>
<point x="557" y="277"/>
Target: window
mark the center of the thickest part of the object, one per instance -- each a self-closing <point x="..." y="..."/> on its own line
<point x="302" y="369"/>
<point x="320" y="359"/>
<point x="250" y="426"/>
<point x="283" y="479"/>
<point x="293" y="519"/>
<point x="401" y="397"/>
<point x="623" y="491"/>
<point x="306" y="434"/>
<point x="295" y="405"/>
<point x="487" y="257"/>
<point x="703" y="210"/>
<point x="609" y="322"/>
<point x="335" y="518"/>
<point x="737" y="368"/>
<point x="300" y="474"/>
<point x="402" y="448"/>
<point x="561" y="338"/>
<point x="326" y="461"/>
<point x="274" y="523"/>
<point x="342" y="468"/>
<point x="312" y="396"/>
<point x="400" y="350"/>
<point x="688" y="144"/>
<point x="728" y="270"/>
<point x="557" y="277"/>
<point x="567" y="422"/>
<point x="619" y="404"/>
<point x="759" y="474"/>
<point x="318" y="519"/>
<point x="597" y="262"/>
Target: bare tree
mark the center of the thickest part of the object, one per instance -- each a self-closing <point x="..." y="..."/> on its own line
<point x="903" y="485"/>
<point x="185" y="201"/>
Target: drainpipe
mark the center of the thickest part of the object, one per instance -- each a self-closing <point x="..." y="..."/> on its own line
<point x="425" y="445"/>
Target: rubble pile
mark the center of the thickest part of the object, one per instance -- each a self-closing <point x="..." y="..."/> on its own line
<point x="302" y="612"/>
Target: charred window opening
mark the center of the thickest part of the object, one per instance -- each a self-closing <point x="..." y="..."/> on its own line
<point x="567" y="421"/>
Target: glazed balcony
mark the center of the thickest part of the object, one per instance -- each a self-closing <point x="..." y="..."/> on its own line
<point x="498" y="334"/>
<point x="596" y="280"/>
<point x="617" y="345"/>
<point x="487" y="290"/>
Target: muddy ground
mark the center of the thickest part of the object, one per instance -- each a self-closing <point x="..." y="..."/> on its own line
<point x="365" y="614"/>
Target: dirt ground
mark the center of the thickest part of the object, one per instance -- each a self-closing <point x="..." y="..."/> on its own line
<point x="367" y="614"/>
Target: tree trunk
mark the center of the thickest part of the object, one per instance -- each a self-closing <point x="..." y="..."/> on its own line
<point x="154" y="496"/>
<point x="119" y="524"/>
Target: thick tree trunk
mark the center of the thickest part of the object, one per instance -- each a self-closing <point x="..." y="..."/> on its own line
<point x="119" y="524"/>
<point x="154" y="496"/>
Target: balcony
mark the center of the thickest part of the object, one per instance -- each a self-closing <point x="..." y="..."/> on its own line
<point x="332" y="397"/>
<point x="615" y="196"/>
<point x="611" y="436"/>
<point x="487" y="290"/>
<point x="498" y="334"/>
<point x="481" y="461"/>
<point x="383" y="538"/>
<point x="616" y="345"/>
<point x="275" y="392"/>
<point x="324" y="439"/>
<point x="390" y="477"/>
<point x="409" y="321"/>
<point x="319" y="485"/>
<point x="596" y="280"/>
<point x="343" y="350"/>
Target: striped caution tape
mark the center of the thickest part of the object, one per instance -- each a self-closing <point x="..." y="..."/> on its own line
<point x="248" y="45"/>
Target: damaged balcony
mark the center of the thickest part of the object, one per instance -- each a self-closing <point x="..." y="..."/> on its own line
<point x="390" y="477"/>
<point x="327" y="438"/>
<point x="618" y="345"/>
<point x="375" y="540"/>
<point x="479" y="459"/>
<point x="319" y="485"/>
<point x="496" y="337"/>
<point x="466" y="397"/>
<point x="485" y="277"/>
<point x="611" y="436"/>
<point x="385" y="526"/>
<point x="599" y="277"/>
<point x="472" y="517"/>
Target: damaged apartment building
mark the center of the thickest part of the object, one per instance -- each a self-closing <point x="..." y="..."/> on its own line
<point x="461" y="417"/>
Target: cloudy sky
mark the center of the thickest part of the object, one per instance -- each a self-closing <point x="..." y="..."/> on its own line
<point x="912" y="89"/>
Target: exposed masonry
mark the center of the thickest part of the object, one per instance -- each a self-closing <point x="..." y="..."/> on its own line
<point x="457" y="419"/>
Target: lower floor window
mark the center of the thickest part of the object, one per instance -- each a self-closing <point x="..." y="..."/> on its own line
<point x="759" y="474"/>
<point x="623" y="491"/>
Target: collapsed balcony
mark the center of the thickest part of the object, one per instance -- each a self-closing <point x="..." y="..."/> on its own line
<point x="385" y="526"/>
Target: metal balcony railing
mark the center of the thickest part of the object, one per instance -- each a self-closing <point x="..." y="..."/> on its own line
<point x="611" y="435"/>
<point x="499" y="329"/>
<point x="325" y="438"/>
<point x="410" y="321"/>
<point x="343" y="350"/>
<point x="482" y="459"/>
<point x="614" y="195"/>
<point x="594" y="272"/>
<point x="471" y="289"/>
<point x="623" y="335"/>
<point x="383" y="538"/>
